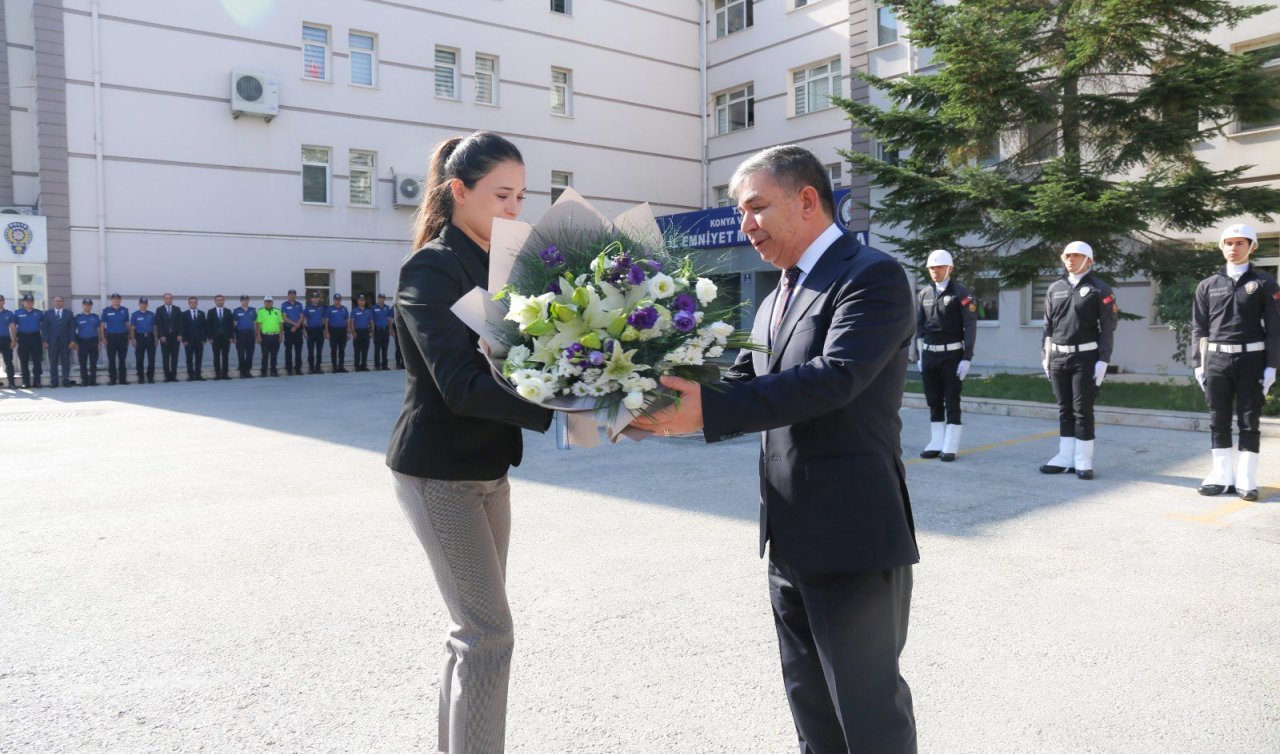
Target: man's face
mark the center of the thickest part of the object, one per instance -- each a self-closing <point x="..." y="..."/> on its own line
<point x="315" y="300"/>
<point x="115" y="303"/>
<point x="1076" y="264"/>
<point x="218" y="301"/>
<point x="143" y="306"/>
<point x="293" y="298"/>
<point x="57" y="302"/>
<point x="168" y="299"/>
<point x="1237" y="250"/>
<point x="193" y="302"/>
<point x="940" y="272"/>
<point x="268" y="304"/>
<point x="771" y="219"/>
<point x="88" y="308"/>
<point x="28" y="305"/>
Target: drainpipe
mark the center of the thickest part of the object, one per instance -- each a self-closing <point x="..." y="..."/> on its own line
<point x="97" y="153"/>
<point x="702" y="106"/>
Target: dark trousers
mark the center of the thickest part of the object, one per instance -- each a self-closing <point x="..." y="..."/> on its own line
<point x="60" y="363"/>
<point x="315" y="347"/>
<point x="221" y="347"/>
<point x="362" y="349"/>
<point x="941" y="385"/>
<point x="1073" y="386"/>
<point x="88" y="350"/>
<point x="1235" y="378"/>
<point x="381" y="339"/>
<point x="244" y="352"/>
<point x="840" y="636"/>
<point x="6" y="354"/>
<point x="169" y="357"/>
<point x="293" y="350"/>
<point x="195" y="358"/>
<point x="117" y="349"/>
<point x="270" y="347"/>
<point x="338" y="349"/>
<point x="399" y="356"/>
<point x="31" y="356"/>
<point x="144" y="353"/>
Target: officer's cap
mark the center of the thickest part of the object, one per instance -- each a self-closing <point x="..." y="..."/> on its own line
<point x="88" y="301"/>
<point x="244" y="297"/>
<point x="939" y="257"/>
<point x="28" y="297"/>
<point x="1078" y="247"/>
<point x="1" y="297"/>
<point x="382" y="295"/>
<point x="115" y="296"/>
<point x="268" y="298"/>
<point x="1239" y="230"/>
<point x="294" y="291"/>
<point x="143" y="300"/>
<point x="337" y="297"/>
<point x="360" y="296"/>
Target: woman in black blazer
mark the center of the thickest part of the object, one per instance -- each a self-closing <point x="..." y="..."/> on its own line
<point x="459" y="431"/>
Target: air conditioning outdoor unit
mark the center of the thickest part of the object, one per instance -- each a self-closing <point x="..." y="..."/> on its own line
<point x="17" y="211"/>
<point x="254" y="94"/>
<point x="407" y="190"/>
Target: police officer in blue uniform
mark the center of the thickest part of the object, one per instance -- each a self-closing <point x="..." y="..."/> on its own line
<point x="115" y="331"/>
<point x="142" y="336"/>
<point x="6" y="341"/>
<point x="362" y="328"/>
<point x="88" y="342"/>
<point x="26" y="325"/>
<point x="246" y="316"/>
<point x="292" y="311"/>
<point x="336" y="318"/>
<point x="313" y="321"/>
<point x="381" y="332"/>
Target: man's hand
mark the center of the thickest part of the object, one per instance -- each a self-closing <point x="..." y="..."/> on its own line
<point x="679" y="419"/>
<point x="75" y="346"/>
<point x="962" y="369"/>
<point x="1268" y="379"/>
<point x="1099" y="372"/>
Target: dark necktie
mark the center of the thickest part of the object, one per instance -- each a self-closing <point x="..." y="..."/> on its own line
<point x="783" y="298"/>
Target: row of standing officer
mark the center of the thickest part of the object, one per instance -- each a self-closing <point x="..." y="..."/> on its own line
<point x="60" y="333"/>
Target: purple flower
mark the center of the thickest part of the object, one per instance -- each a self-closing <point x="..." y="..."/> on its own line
<point x="653" y="264"/>
<point x="643" y="319"/>
<point x="554" y="287"/>
<point x="552" y="257"/>
<point x="574" y="352"/>
<point x="595" y="358"/>
<point x="635" y="275"/>
<point x="684" y="321"/>
<point x="684" y="303"/>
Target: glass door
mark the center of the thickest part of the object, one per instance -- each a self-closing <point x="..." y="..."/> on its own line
<point x="31" y="279"/>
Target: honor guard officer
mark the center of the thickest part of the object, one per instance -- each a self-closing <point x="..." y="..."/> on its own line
<point x="361" y="324"/>
<point x="58" y="330"/>
<point x="142" y="336"/>
<point x="26" y="325"/>
<point x="313" y="318"/>
<point x="246" y="324"/>
<point x="1235" y="329"/>
<point x="88" y="342"/>
<point x="6" y="341"/>
<point x="946" y="327"/>
<point x="115" y="332"/>
<point x="381" y="332"/>
<point x="268" y="323"/>
<point x="1080" y="313"/>
<point x="222" y="330"/>
<point x="292" y="311"/>
<point x="335" y="329"/>
<point x="167" y="320"/>
<point x="192" y="333"/>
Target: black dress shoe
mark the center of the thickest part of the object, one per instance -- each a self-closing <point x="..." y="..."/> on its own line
<point x="930" y="453"/>
<point x="1209" y="490"/>
<point x="1084" y="473"/>
<point x="948" y="457"/>
<point x="1047" y="469"/>
<point x="1250" y="496"/>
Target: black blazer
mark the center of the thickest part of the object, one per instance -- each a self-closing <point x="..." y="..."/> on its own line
<point x="166" y="326"/>
<point x="457" y="421"/>
<point x="191" y="329"/>
<point x="228" y="328"/>
<point x="833" y="492"/>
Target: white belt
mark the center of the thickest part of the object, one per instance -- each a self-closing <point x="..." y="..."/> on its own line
<point x="1073" y="349"/>
<point x="1237" y="348"/>
<point x="947" y="347"/>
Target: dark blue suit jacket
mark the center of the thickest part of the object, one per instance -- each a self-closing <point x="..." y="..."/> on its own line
<point x="833" y="492"/>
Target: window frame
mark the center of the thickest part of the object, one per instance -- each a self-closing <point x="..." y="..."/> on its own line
<point x="557" y="188"/>
<point x="567" y="88"/>
<point x="723" y="8"/>
<point x="834" y="79"/>
<point x="748" y="100"/>
<point x="492" y="75"/>
<point x="372" y="53"/>
<point x="454" y="67"/>
<point x="1029" y="298"/>
<point x="1271" y="69"/>
<point x="326" y="52"/>
<point x="897" y="26"/>
<point x="566" y="4"/>
<point x="326" y="297"/>
<point x="371" y="169"/>
<point x="328" y="174"/>
<point x="722" y="198"/>
<point x="835" y="174"/>
<point x="983" y="278"/>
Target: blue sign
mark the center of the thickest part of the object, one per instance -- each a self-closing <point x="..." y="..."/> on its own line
<point x="720" y="227"/>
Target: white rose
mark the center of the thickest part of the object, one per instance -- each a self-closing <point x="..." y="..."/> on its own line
<point x="706" y="291"/>
<point x="714" y="351"/>
<point x="634" y="400"/>
<point x="518" y="355"/>
<point x="662" y="286"/>
<point x="535" y="391"/>
<point x="720" y="330"/>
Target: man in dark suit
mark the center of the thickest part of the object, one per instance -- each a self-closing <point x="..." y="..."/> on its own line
<point x="167" y="319"/>
<point x="834" y="506"/>
<point x="222" y="329"/>
<point x="59" y="330"/>
<point x="192" y="334"/>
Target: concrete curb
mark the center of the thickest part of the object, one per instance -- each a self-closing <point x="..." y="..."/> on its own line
<point x="1129" y="417"/>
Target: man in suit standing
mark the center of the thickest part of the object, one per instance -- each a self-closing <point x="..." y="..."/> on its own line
<point x="834" y="505"/>
<point x="192" y="334"/>
<point x="167" y="320"/>
<point x="222" y="328"/>
<point x="58" y="330"/>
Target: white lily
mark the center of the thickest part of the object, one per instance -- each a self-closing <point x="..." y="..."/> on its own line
<point x="525" y="310"/>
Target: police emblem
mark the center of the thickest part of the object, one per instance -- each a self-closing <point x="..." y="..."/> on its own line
<point x="18" y="235"/>
<point x="1251" y="286"/>
<point x="1084" y="291"/>
<point x="946" y="300"/>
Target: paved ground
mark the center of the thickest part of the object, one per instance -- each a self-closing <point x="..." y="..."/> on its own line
<point x="222" y="567"/>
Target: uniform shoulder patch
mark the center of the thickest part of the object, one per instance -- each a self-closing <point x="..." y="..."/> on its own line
<point x="966" y="300"/>
<point x="1108" y="299"/>
<point x="1276" y="295"/>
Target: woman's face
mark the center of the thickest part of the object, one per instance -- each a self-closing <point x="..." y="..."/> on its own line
<point x="498" y="194"/>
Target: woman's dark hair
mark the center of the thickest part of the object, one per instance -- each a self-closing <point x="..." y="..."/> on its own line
<point x="468" y="159"/>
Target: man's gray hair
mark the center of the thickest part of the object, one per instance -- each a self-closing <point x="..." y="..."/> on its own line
<point x="792" y="167"/>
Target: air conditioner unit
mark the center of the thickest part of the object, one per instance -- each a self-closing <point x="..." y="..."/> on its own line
<point x="254" y="94"/>
<point x="407" y="190"/>
<point x="17" y="211"/>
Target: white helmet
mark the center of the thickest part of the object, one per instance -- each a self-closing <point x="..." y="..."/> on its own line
<point x="1239" y="230"/>
<point x="939" y="257"/>
<point x="1078" y="247"/>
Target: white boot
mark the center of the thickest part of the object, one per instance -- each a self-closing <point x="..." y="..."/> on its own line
<point x="1247" y="475"/>
<point x="1065" y="458"/>
<point x="1223" y="476"/>
<point x="935" y="442"/>
<point x="951" y="443"/>
<point x="1084" y="459"/>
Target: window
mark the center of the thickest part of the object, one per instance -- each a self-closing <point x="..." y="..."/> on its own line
<point x="886" y="25"/>
<point x="363" y="170"/>
<point x="801" y="3"/>
<point x="1033" y="310"/>
<point x="732" y="16"/>
<point x="364" y="64"/>
<point x="835" y="173"/>
<point x="562" y="6"/>
<point x="986" y="294"/>
<point x="736" y="110"/>
<point x="315" y="175"/>
<point x="989" y="151"/>
<point x="1271" y="55"/>
<point x="315" y="52"/>
<point x="319" y="282"/>
<point x="722" y="197"/>
<point x="1042" y="141"/>
<point x="486" y="79"/>
<point x="561" y="91"/>
<point x="560" y="181"/>
<point x="446" y="73"/>
<point x="813" y="88"/>
<point x="885" y="154"/>
<point x="30" y="278"/>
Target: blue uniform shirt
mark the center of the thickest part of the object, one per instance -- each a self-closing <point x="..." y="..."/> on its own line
<point x="361" y="318"/>
<point x="28" y="321"/>
<point x="381" y="316"/>
<point x="6" y="319"/>
<point x="337" y="316"/>
<point x="315" y="315"/>
<point x="87" y="325"/>
<point x="144" y="323"/>
<point x="245" y="318"/>
<point x="292" y="312"/>
<point x="116" y="320"/>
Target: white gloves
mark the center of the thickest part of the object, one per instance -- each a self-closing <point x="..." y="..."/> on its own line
<point x="1200" y="377"/>
<point x="1045" y="366"/>
<point x="920" y="365"/>
<point x="1099" y="372"/>
<point x="962" y="369"/>
<point x="1268" y="379"/>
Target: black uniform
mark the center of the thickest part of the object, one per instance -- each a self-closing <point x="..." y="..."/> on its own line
<point x="167" y="319"/>
<point x="947" y="322"/>
<point x="1080" y="323"/>
<point x="1235" y="330"/>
